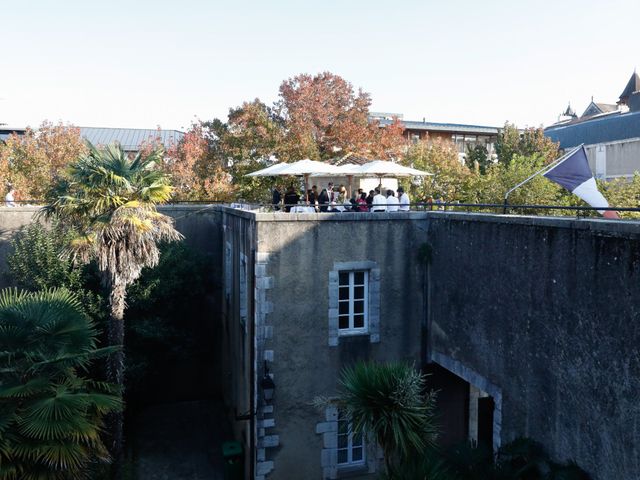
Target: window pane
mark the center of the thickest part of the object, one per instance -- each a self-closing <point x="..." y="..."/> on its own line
<point x="343" y="441"/>
<point x="358" y="292"/>
<point x="357" y="439"/>
<point x="342" y="456"/>
<point x="343" y="308"/>
<point x="358" y="278"/>
<point x="358" y="306"/>
<point x="344" y="278"/>
<point x="343" y="427"/>
<point x="343" y="322"/>
<point x="344" y="293"/>
<point x="356" y="455"/>
<point x="358" y="321"/>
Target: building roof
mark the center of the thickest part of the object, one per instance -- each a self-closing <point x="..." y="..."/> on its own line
<point x="445" y="127"/>
<point x="569" y="112"/>
<point x="130" y="138"/>
<point x="600" y="129"/>
<point x="606" y="107"/>
<point x="5" y="132"/>
<point x="598" y="108"/>
<point x="633" y="85"/>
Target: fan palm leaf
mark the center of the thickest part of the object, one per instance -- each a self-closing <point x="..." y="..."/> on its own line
<point x="51" y="418"/>
<point x="388" y="401"/>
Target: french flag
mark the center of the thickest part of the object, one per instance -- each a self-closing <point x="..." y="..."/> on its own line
<point x="574" y="174"/>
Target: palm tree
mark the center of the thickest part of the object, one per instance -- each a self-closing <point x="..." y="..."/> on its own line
<point x="50" y="416"/>
<point x="111" y="200"/>
<point x="388" y="401"/>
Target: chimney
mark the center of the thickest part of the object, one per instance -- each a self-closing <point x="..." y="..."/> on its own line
<point x="424" y="119"/>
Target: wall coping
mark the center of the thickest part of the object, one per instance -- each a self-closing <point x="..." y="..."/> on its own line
<point x="596" y="225"/>
<point x="170" y="207"/>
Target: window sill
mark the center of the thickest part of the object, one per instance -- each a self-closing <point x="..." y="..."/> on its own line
<point x="353" y="334"/>
<point x="347" y="471"/>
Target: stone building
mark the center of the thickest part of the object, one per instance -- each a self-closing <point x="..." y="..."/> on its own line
<point x="464" y="136"/>
<point x="323" y="296"/>
<point x="527" y="325"/>
<point x="512" y="317"/>
<point x="610" y="133"/>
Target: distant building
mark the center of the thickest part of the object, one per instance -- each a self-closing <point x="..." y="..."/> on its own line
<point x="610" y="133"/>
<point x="5" y="132"/>
<point x="129" y="138"/>
<point x="464" y="136"/>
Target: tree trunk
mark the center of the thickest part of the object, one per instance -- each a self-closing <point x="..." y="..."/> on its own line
<point x="115" y="373"/>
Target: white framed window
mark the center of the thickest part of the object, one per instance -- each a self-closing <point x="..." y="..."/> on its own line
<point x="351" y="445"/>
<point x="353" y="299"/>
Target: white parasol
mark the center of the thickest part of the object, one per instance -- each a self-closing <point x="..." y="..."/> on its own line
<point x="303" y="168"/>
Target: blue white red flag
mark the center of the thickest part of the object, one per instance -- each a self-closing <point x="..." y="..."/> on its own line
<point x="574" y="174"/>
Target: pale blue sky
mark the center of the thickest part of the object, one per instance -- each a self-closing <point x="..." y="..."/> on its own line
<point x="148" y="63"/>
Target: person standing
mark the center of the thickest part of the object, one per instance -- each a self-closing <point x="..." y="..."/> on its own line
<point x="323" y="200"/>
<point x="392" y="201"/>
<point x="405" y="202"/>
<point x="313" y="195"/>
<point x="291" y="198"/>
<point x="10" y="197"/>
<point x="362" y="203"/>
<point x="276" y="198"/>
<point x="369" y="199"/>
<point x="379" y="203"/>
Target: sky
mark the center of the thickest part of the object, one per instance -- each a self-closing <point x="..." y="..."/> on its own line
<point x="144" y="64"/>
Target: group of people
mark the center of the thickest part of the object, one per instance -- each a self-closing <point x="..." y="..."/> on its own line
<point x="332" y="199"/>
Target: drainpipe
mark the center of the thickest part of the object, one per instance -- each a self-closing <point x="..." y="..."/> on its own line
<point x="253" y="404"/>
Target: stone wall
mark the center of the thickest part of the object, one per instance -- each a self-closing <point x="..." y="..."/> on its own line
<point x="545" y="312"/>
<point x="200" y="224"/>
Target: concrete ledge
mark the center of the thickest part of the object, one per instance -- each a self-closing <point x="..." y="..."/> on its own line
<point x="624" y="228"/>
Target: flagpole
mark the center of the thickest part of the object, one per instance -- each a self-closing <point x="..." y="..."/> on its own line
<point x="545" y="169"/>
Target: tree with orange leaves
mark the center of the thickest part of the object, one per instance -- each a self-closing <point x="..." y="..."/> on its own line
<point x="34" y="161"/>
<point x="324" y="116"/>
<point x="196" y="172"/>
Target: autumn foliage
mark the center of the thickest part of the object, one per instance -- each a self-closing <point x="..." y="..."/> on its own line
<point x="324" y="113"/>
<point x="31" y="162"/>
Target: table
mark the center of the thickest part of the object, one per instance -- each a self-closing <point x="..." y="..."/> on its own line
<point x="302" y="209"/>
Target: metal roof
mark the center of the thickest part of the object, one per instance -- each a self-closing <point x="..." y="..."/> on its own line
<point x="633" y="85"/>
<point x="605" y="128"/>
<point x="6" y="132"/>
<point x="130" y="138"/>
<point x="445" y="127"/>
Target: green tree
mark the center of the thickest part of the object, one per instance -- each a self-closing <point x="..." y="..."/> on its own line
<point x="388" y="401"/>
<point x="450" y="178"/>
<point x="37" y="262"/>
<point x="623" y="193"/>
<point x="164" y="322"/>
<point x="254" y="137"/>
<point x="501" y="177"/>
<point x="478" y="159"/>
<point x="110" y="199"/>
<point x="51" y="416"/>
<point x="528" y="142"/>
